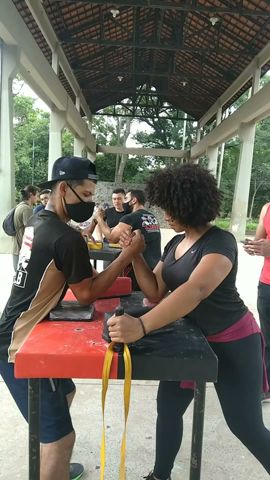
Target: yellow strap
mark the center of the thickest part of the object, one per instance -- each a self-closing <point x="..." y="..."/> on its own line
<point x="127" y="387"/>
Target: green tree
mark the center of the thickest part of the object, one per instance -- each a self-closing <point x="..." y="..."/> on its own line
<point x="31" y="142"/>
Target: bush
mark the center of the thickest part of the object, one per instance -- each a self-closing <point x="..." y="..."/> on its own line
<point x="225" y="224"/>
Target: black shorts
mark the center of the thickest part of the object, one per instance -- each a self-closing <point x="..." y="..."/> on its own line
<point x="55" y="420"/>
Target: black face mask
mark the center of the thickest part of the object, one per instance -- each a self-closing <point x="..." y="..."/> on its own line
<point x="127" y="208"/>
<point x="79" y="212"/>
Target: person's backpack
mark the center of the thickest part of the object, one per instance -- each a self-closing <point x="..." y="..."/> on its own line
<point x="8" y="223"/>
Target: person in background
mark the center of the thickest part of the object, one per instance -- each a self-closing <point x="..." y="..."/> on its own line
<point x="261" y="246"/>
<point x="23" y="212"/>
<point x="111" y="215"/>
<point x="199" y="268"/>
<point x="136" y="218"/>
<point x="44" y="196"/>
<point x="54" y="255"/>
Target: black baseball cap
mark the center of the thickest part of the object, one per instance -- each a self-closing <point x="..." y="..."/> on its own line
<point x="71" y="168"/>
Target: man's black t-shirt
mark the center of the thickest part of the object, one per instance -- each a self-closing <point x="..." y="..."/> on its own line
<point x="112" y="217"/>
<point x="149" y="226"/>
<point x="52" y="255"/>
<point x="223" y="307"/>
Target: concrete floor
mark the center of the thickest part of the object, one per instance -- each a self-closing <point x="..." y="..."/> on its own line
<point x="224" y="458"/>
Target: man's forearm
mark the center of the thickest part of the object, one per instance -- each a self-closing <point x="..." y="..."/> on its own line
<point x="101" y="282"/>
<point x="105" y="229"/>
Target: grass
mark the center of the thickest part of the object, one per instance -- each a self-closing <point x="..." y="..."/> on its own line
<point x="225" y="224"/>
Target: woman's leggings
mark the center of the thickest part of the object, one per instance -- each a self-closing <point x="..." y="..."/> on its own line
<point x="239" y="387"/>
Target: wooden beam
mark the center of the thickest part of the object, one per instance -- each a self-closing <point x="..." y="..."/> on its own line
<point x="152" y="152"/>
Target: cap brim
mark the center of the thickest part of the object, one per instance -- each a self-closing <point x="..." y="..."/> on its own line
<point x="48" y="184"/>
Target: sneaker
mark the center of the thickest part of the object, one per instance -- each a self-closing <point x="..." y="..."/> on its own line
<point x="150" y="476"/>
<point x="76" y="471"/>
<point x="265" y="397"/>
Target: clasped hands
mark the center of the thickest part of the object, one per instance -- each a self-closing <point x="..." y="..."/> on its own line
<point x="258" y="247"/>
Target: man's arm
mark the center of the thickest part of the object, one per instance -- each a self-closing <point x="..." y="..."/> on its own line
<point x="26" y="215"/>
<point x="260" y="231"/>
<point x="113" y="234"/>
<point x="260" y="245"/>
<point x="89" y="289"/>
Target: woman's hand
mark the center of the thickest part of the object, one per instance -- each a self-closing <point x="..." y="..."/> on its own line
<point x="125" y="329"/>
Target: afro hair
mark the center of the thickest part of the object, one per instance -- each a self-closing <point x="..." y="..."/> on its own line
<point x="188" y="193"/>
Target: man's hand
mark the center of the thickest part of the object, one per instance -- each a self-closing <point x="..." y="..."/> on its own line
<point x="125" y="329"/>
<point x="100" y="213"/>
<point x="88" y="231"/>
<point x="133" y="242"/>
<point x="258" y="247"/>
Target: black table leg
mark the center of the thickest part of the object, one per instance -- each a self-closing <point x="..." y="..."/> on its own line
<point x="33" y="419"/>
<point x="197" y="431"/>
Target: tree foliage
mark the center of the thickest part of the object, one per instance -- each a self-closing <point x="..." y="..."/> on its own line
<point x="31" y="142"/>
<point x="31" y="138"/>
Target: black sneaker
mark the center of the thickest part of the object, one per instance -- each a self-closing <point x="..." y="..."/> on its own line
<point x="150" y="476"/>
<point x="76" y="471"/>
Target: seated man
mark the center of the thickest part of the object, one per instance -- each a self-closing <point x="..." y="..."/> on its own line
<point x="44" y="198"/>
<point x="112" y="216"/>
<point x="54" y="255"/>
<point x="136" y="218"/>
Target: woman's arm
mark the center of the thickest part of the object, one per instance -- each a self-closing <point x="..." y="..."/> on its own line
<point x="210" y="272"/>
<point x="150" y="282"/>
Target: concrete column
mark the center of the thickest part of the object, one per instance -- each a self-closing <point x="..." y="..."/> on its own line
<point x="91" y="156"/>
<point x="212" y="153"/>
<point x="242" y="184"/>
<point x="9" y="61"/>
<point x="57" y="123"/>
<point x="79" y="145"/>
<point x="220" y="165"/>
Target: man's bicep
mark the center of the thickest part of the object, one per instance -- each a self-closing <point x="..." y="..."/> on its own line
<point x="119" y="230"/>
<point x="72" y="259"/>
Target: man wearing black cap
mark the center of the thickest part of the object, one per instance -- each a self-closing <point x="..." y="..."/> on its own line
<point x="53" y="255"/>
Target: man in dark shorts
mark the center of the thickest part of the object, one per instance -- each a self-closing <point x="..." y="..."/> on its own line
<point x="54" y="255"/>
<point x="136" y="218"/>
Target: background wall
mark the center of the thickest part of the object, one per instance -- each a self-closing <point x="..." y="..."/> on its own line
<point x="104" y="194"/>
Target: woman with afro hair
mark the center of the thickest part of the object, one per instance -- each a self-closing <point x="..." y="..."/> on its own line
<point x="198" y="268"/>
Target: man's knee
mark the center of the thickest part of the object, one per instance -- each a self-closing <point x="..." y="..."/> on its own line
<point x="62" y="446"/>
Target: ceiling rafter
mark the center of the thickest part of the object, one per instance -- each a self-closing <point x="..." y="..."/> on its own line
<point x="152" y="46"/>
<point x="183" y="7"/>
<point x="169" y="44"/>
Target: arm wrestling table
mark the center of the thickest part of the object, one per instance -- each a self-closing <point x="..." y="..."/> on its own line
<point x="59" y="349"/>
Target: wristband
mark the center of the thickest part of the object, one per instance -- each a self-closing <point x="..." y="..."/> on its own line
<point x="142" y="325"/>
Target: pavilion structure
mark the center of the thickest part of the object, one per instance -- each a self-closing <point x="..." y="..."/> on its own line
<point x="197" y="56"/>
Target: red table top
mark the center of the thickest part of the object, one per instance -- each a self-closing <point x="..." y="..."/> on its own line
<point x="59" y="349"/>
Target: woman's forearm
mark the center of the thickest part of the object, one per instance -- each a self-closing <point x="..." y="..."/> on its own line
<point x="146" y="279"/>
<point x="177" y="305"/>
